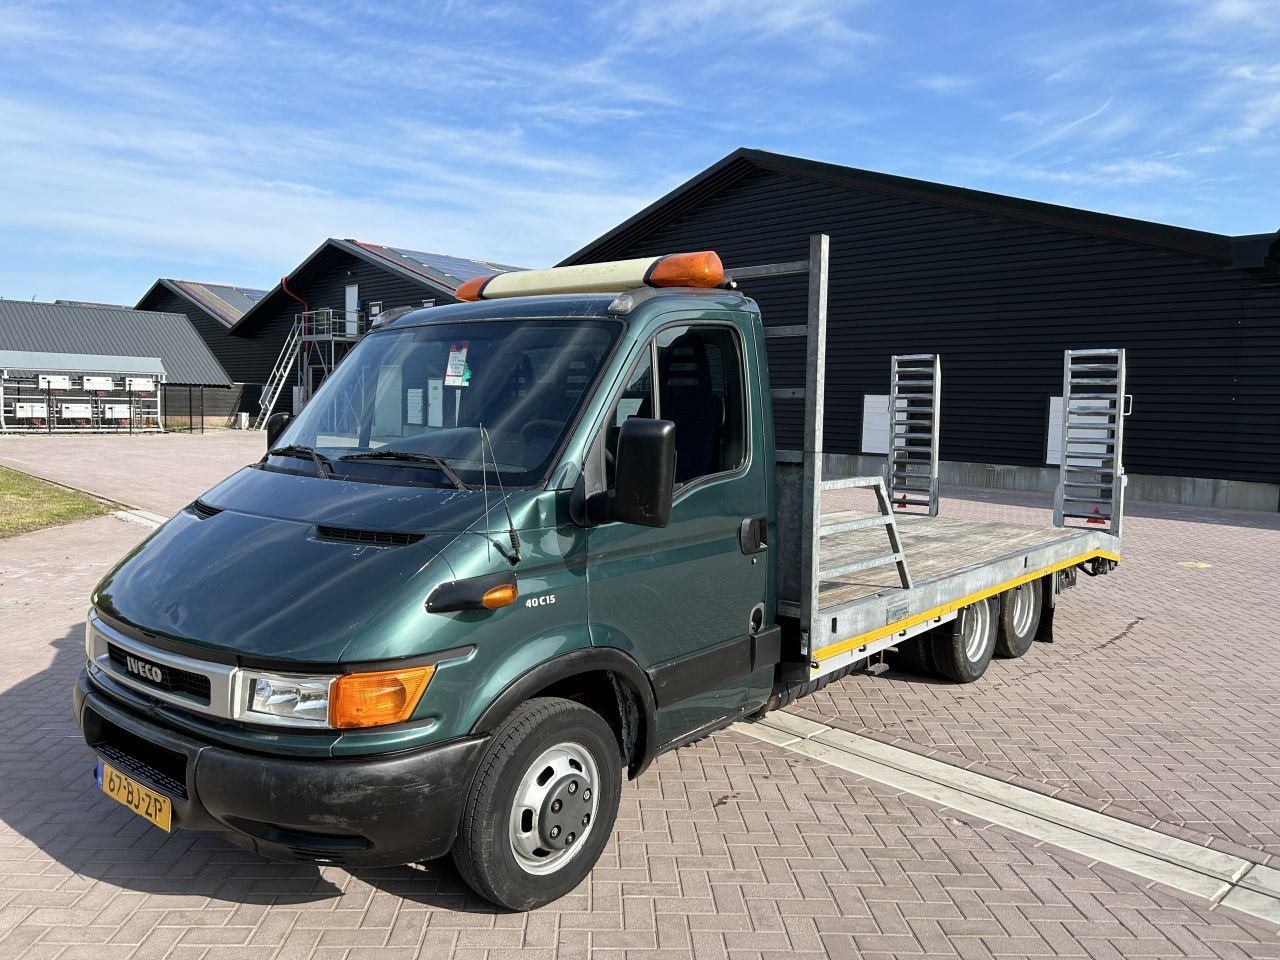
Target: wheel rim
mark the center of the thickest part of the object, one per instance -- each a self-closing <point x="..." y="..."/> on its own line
<point x="977" y="623"/>
<point x="1024" y="607"/>
<point x="554" y="809"/>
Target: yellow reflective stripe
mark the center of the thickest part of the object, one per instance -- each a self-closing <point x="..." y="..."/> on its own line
<point x="844" y="646"/>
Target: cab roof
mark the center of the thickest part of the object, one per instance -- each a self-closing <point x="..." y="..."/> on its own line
<point x="559" y="306"/>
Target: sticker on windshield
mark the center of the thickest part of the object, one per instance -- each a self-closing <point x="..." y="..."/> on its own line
<point x="456" y="371"/>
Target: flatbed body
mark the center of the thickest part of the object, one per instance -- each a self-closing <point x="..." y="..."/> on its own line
<point x="954" y="562"/>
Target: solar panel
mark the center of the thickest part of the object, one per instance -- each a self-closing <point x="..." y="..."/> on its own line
<point x="459" y="268"/>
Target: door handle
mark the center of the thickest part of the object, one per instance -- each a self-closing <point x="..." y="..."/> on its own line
<point x="753" y="535"/>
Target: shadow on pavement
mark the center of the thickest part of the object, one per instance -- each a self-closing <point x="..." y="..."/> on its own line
<point x="49" y="799"/>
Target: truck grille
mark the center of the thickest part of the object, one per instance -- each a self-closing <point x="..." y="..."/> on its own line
<point x="154" y="765"/>
<point x="161" y="676"/>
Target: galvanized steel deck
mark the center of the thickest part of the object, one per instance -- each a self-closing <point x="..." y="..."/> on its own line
<point x="953" y="563"/>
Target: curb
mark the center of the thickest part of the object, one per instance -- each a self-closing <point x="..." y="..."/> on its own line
<point x="1212" y="875"/>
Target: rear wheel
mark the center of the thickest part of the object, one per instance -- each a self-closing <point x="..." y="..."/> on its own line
<point x="916" y="655"/>
<point x="963" y="652"/>
<point x="542" y="806"/>
<point x="1020" y="610"/>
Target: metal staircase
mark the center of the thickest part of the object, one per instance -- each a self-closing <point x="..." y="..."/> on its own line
<point x="1094" y="405"/>
<point x="914" y="389"/>
<point x="279" y="374"/>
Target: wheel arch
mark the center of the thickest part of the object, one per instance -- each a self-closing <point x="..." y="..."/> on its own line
<point x="602" y="678"/>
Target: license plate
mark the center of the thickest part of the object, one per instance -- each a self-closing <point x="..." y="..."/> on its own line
<point x="141" y="800"/>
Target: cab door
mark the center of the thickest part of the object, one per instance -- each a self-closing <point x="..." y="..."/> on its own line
<point x="680" y="598"/>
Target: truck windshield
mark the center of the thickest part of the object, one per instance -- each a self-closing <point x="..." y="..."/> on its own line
<point x="426" y="391"/>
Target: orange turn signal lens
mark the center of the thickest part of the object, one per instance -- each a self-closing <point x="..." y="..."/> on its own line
<point x="375" y="699"/>
<point x="471" y="289"/>
<point x="702" y="269"/>
<point x="500" y="596"/>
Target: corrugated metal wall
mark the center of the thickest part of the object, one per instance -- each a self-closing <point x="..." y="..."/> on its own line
<point x="1000" y="299"/>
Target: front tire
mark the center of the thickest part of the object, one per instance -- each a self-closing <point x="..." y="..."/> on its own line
<point x="542" y="806"/>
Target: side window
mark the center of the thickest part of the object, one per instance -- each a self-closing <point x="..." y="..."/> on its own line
<point x="636" y="400"/>
<point x="700" y="389"/>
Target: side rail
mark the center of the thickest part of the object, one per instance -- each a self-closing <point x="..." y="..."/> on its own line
<point x="838" y="561"/>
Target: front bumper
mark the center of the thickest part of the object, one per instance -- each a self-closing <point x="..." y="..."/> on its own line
<point x="380" y="811"/>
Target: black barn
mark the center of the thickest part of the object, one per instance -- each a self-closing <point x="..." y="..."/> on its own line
<point x="348" y="277"/>
<point x="999" y="287"/>
<point x="213" y="308"/>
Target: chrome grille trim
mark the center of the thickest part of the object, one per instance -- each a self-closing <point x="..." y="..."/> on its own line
<point x="224" y="679"/>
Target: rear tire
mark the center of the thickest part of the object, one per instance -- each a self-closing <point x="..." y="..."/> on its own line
<point x="542" y="806"/>
<point x="963" y="652"/>
<point x="1020" y="610"/>
<point x="916" y="655"/>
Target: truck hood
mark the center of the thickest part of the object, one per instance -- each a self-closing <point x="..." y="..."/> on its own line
<point x="270" y="566"/>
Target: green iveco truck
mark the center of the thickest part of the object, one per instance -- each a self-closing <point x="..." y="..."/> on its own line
<point x="515" y="548"/>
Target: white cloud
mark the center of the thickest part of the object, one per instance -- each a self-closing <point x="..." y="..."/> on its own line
<point x="148" y="192"/>
<point x="1256" y="72"/>
<point x="1067" y="71"/>
<point x="943" y="83"/>
<point x="679" y="23"/>
<point x="1062" y="129"/>
<point x="1122" y="172"/>
<point x="1258" y="13"/>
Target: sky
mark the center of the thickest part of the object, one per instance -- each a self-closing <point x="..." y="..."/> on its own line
<point x="224" y="141"/>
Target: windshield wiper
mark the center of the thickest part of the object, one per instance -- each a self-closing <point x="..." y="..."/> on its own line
<point x="406" y="457"/>
<point x="322" y="462"/>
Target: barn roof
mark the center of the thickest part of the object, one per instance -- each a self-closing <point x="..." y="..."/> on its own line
<point x="439" y="274"/>
<point x="224" y="302"/>
<point x="111" y="332"/>
<point x="745" y="161"/>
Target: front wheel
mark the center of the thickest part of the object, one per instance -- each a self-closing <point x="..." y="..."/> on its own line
<point x="542" y="806"/>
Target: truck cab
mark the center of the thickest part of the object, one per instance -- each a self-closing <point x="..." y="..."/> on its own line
<point x="526" y="533"/>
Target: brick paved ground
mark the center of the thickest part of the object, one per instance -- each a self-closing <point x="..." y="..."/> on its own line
<point x="1160" y="698"/>
<point x="728" y="848"/>
<point x="157" y="472"/>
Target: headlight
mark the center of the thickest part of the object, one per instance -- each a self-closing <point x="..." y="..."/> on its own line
<point x="291" y="700"/>
<point x="338" y="702"/>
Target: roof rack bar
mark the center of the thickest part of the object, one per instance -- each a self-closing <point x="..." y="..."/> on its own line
<point x="785" y="269"/>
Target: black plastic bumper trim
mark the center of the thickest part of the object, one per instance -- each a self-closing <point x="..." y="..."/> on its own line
<point x="375" y="811"/>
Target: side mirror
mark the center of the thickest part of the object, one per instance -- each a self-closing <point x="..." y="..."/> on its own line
<point x="275" y="426"/>
<point x="645" y="473"/>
